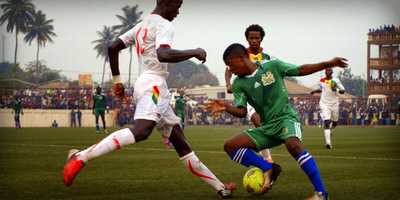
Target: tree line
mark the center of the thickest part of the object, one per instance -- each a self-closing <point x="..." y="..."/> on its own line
<point x="21" y="17"/>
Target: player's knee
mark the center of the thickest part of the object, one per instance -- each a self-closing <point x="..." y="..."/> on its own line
<point x="229" y="147"/>
<point x="294" y="146"/>
<point x="140" y="133"/>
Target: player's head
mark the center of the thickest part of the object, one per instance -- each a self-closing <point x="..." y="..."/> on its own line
<point x="98" y="90"/>
<point x="328" y="72"/>
<point x="235" y="56"/>
<point x="169" y="8"/>
<point x="254" y="36"/>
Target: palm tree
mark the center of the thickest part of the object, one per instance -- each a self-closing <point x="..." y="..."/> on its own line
<point x="129" y="20"/>
<point x="107" y="36"/>
<point x="19" y="14"/>
<point x="41" y="30"/>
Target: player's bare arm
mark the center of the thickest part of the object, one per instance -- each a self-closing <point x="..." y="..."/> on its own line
<point x="219" y="105"/>
<point x="228" y="75"/>
<point x="315" y="91"/>
<point x="307" y="69"/>
<point x="166" y="54"/>
<point x="113" y="52"/>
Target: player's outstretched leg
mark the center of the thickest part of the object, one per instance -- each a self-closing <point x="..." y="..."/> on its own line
<point x="195" y="166"/>
<point x="199" y="169"/>
<point x="77" y="159"/>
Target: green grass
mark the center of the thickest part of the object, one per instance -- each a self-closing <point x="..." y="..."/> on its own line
<point x="364" y="164"/>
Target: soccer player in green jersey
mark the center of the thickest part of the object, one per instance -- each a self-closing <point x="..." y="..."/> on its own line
<point x="180" y="109"/>
<point x="99" y="106"/>
<point x="262" y="85"/>
<point x="17" y="109"/>
<point x="254" y="35"/>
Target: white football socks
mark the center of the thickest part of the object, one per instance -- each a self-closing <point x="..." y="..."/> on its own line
<point x="114" y="141"/>
<point x="199" y="169"/>
<point x="327" y="136"/>
<point x="266" y="154"/>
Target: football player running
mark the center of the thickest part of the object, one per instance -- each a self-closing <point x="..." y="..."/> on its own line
<point x="329" y="103"/>
<point x="153" y="40"/>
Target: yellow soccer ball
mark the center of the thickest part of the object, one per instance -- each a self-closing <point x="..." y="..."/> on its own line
<point x="253" y="180"/>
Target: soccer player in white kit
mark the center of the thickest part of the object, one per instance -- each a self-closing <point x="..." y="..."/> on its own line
<point x="329" y="103"/>
<point x="153" y="40"/>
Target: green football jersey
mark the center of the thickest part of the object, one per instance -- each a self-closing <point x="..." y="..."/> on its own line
<point x="99" y="101"/>
<point x="265" y="90"/>
<point x="180" y="104"/>
<point x="17" y="106"/>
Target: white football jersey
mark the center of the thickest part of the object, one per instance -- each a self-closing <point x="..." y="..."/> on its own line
<point x="150" y="34"/>
<point x="329" y="97"/>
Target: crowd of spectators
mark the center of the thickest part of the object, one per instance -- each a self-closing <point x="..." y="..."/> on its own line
<point x="352" y="111"/>
<point x="385" y="29"/>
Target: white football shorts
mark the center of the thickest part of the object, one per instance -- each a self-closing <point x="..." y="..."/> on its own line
<point x="152" y="99"/>
<point x="330" y="113"/>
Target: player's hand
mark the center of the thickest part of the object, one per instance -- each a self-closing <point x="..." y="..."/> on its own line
<point x="339" y="62"/>
<point x="217" y="105"/>
<point x="229" y="89"/>
<point x="201" y="55"/>
<point x="119" y="91"/>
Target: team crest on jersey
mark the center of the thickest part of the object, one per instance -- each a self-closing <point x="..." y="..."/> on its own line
<point x="267" y="78"/>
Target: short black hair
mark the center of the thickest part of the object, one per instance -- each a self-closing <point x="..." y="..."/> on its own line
<point x="235" y="49"/>
<point x="255" y="27"/>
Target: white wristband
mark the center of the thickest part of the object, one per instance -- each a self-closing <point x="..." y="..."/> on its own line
<point x="117" y="79"/>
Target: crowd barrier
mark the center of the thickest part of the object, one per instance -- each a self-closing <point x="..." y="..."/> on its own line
<point x="44" y="118"/>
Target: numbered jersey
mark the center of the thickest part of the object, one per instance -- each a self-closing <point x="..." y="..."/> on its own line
<point x="150" y="34"/>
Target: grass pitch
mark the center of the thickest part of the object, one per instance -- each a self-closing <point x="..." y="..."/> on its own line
<point x="364" y="164"/>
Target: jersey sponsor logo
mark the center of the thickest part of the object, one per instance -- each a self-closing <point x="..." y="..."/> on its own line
<point x="256" y="85"/>
<point x="267" y="78"/>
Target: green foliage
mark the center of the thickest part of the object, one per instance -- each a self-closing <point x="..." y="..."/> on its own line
<point x="189" y="74"/>
<point x="128" y="21"/>
<point x="362" y="165"/>
<point x="45" y="73"/>
<point x="354" y="85"/>
<point x="130" y="18"/>
<point x="107" y="37"/>
<point x="18" y="14"/>
<point x="40" y="29"/>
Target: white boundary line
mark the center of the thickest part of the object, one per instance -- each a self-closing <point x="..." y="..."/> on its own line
<point x="211" y="152"/>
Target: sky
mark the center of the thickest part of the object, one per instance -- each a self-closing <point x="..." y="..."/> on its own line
<point x="297" y="31"/>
